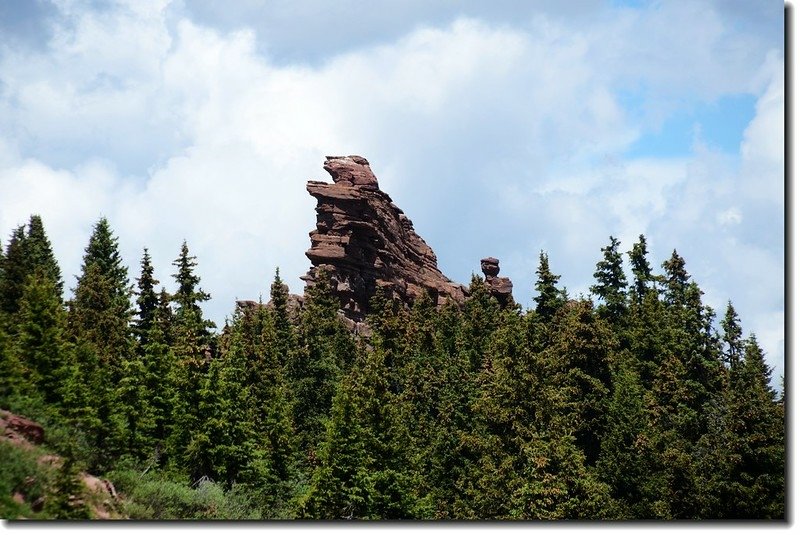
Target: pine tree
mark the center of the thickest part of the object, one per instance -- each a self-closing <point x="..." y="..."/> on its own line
<point x="758" y="485"/>
<point x="642" y="272"/>
<point x="40" y="343"/>
<point x="362" y="470"/>
<point x="611" y="282"/>
<point x="550" y="298"/>
<point x="192" y="331"/>
<point x="99" y="319"/>
<point x="675" y="282"/>
<point x="733" y="351"/>
<point x="285" y="333"/>
<point x="326" y="352"/>
<point x="15" y="271"/>
<point x="40" y="254"/>
<point x="581" y="350"/>
<point x="100" y="312"/>
<point x="624" y="446"/>
<point x="147" y="299"/>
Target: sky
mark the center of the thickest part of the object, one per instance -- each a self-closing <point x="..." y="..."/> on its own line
<point x="501" y="128"/>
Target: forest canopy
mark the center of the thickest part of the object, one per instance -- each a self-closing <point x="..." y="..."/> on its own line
<point x="629" y="403"/>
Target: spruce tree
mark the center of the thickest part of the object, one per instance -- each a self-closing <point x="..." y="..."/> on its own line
<point x="675" y="281"/>
<point x="550" y="298"/>
<point x="40" y="254"/>
<point x="99" y="319"/>
<point x="146" y="300"/>
<point x="611" y="282"/>
<point x="580" y="351"/>
<point x="100" y="312"/>
<point x="758" y="482"/>
<point x="15" y="271"/>
<point x="284" y="330"/>
<point x="192" y="331"/>
<point x="733" y="345"/>
<point x="363" y="467"/>
<point x="642" y="272"/>
<point x="622" y="462"/>
<point x="326" y="351"/>
<point x="192" y="343"/>
<point x="41" y="340"/>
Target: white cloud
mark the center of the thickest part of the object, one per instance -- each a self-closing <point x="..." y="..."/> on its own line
<point x="495" y="138"/>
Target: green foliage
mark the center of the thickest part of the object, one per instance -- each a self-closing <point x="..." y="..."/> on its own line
<point x="40" y="342"/>
<point x="191" y="332"/>
<point x="15" y="271"/>
<point x="550" y="298"/>
<point x="642" y="272"/>
<point x="147" y="300"/>
<point x="732" y="337"/>
<point x="155" y="495"/>
<point x="675" y="282"/>
<point x="633" y="409"/>
<point x="24" y="476"/>
<point x="325" y="351"/>
<point x="40" y="255"/>
<point x="611" y="282"/>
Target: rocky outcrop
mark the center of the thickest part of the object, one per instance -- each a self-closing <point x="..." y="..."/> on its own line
<point x="364" y="242"/>
<point x="499" y="287"/>
<point x="19" y="430"/>
<point x="99" y="495"/>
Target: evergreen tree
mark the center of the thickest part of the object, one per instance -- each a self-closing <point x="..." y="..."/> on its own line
<point x="340" y="487"/>
<point x="640" y="266"/>
<point x="40" y="254"/>
<point x="550" y="298"/>
<point x="15" y="271"/>
<point x="192" y="332"/>
<point x="675" y="282"/>
<point x="622" y="463"/>
<point x="284" y="330"/>
<point x="581" y="350"/>
<point x="40" y="343"/>
<point x="758" y="481"/>
<point x="164" y="317"/>
<point x="223" y="443"/>
<point x="733" y="350"/>
<point x="99" y="320"/>
<point x="611" y="282"/>
<point x="147" y="299"/>
<point x="478" y="322"/>
<point x="325" y="353"/>
<point x="159" y="369"/>
<point x="362" y="470"/>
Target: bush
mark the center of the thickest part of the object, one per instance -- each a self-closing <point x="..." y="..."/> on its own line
<point x="154" y="496"/>
<point x="21" y="473"/>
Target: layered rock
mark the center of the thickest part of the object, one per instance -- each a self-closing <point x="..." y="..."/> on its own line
<point x="363" y="241"/>
<point x="17" y="429"/>
<point x="499" y="287"/>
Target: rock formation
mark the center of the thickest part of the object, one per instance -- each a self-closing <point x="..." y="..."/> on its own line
<point x="499" y="287"/>
<point x="363" y="241"/>
<point x="17" y="429"/>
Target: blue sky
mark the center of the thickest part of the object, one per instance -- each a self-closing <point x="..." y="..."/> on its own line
<point x="501" y="128"/>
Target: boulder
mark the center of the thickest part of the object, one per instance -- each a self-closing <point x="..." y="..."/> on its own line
<point x="14" y="427"/>
<point x="499" y="287"/>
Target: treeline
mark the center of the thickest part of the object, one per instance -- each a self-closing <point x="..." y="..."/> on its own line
<point x="633" y="407"/>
